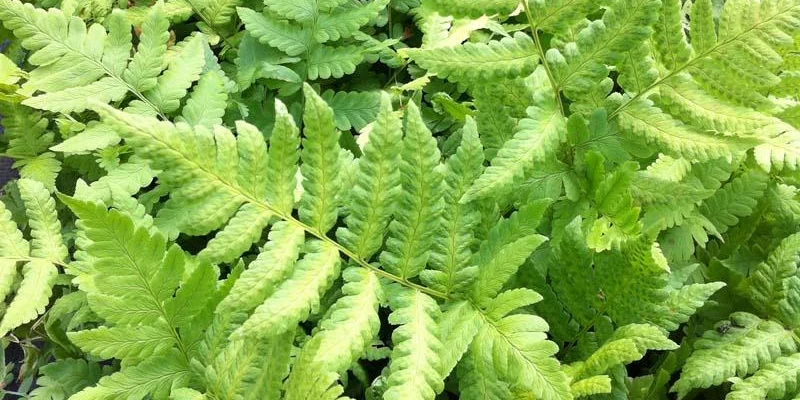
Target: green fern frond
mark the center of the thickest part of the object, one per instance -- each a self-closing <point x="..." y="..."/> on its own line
<point x="650" y="124"/>
<point x="353" y="109"/>
<point x="376" y="185"/>
<point x="78" y="65"/>
<point x="506" y="247"/>
<point x="342" y="339"/>
<point x="288" y="38"/>
<point x="476" y="9"/>
<point x="155" y="375"/>
<point x="682" y="303"/>
<point x="520" y="354"/>
<point x="558" y="16"/>
<point x="452" y="248"/>
<point x="582" y="64"/>
<point x="459" y="324"/>
<point x="737" y="199"/>
<point x="536" y="137"/>
<point x="629" y="343"/>
<point x="410" y="232"/>
<point x="633" y="296"/>
<point x="414" y="372"/>
<point x="321" y="164"/>
<point x="282" y="160"/>
<point x="746" y="344"/>
<point x="766" y="286"/>
<point x="775" y="380"/>
<point x="508" y="57"/>
<point x="45" y="250"/>
<point x="295" y="298"/>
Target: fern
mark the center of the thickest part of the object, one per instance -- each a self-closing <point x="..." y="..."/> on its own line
<point x="41" y="256"/>
<point x="395" y="199"/>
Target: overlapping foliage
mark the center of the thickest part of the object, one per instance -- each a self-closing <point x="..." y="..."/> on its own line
<point x="401" y="199"/>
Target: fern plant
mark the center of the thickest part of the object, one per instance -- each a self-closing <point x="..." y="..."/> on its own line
<point x="401" y="199"/>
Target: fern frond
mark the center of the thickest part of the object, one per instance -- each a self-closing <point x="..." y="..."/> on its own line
<point x="243" y="229"/>
<point x="124" y="342"/>
<point x="183" y="70"/>
<point x="747" y="343"/>
<point x="65" y="377"/>
<point x="32" y="295"/>
<point x="154" y="375"/>
<point x="638" y="293"/>
<point x="77" y="65"/>
<point x="290" y="39"/>
<point x="28" y="142"/>
<point x="353" y="109"/>
<point x="558" y="16"/>
<point x="206" y="105"/>
<point x="282" y="160"/>
<point x="216" y="12"/>
<point x="625" y="25"/>
<point x="452" y="248"/>
<point x="145" y="66"/>
<point x="477" y="9"/>
<point x="250" y="369"/>
<point x="629" y="343"/>
<point x="737" y="199"/>
<point x="765" y="287"/>
<point x="477" y="380"/>
<point x="295" y="298"/>
<point x="459" y="324"/>
<point x="347" y="21"/>
<point x="414" y="369"/>
<point x="321" y="164"/>
<point x="573" y="279"/>
<point x="375" y="186"/>
<point x="682" y="303"/>
<point x="46" y="240"/>
<point x="536" y="137"/>
<point x="599" y="384"/>
<point x="500" y="106"/>
<point x="46" y="250"/>
<point x="650" y="124"/>
<point x="412" y="229"/>
<point x="328" y="61"/>
<point x="517" y="348"/>
<point x="670" y="39"/>
<point x="474" y="62"/>
<point x="12" y="243"/>
<point x="508" y="244"/>
<point x="272" y="265"/>
<point x="775" y="380"/>
<point x="342" y="339"/>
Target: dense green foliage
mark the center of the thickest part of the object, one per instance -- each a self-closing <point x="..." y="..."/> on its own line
<point x="401" y="199"/>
